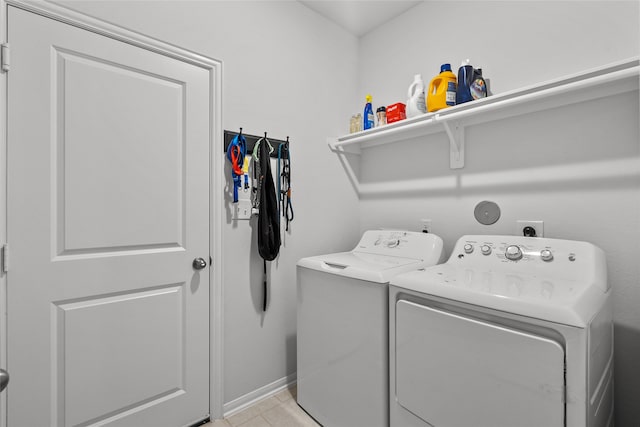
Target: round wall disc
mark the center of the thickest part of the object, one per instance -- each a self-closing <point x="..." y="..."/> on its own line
<point x="486" y="212"/>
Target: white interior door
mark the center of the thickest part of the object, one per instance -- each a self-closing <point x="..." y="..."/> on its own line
<point x="108" y="206"/>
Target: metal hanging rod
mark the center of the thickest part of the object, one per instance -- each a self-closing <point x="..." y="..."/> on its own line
<point x="253" y="139"/>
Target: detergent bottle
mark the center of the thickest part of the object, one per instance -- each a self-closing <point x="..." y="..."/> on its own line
<point x="471" y="85"/>
<point x="442" y="90"/>
<point x="368" y="120"/>
<point x="479" y="88"/>
<point x="465" y="78"/>
<point x="416" y="104"/>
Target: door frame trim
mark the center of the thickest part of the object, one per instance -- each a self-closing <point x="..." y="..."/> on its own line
<point x="216" y="196"/>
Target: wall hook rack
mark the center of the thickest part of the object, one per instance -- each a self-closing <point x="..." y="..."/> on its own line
<point x="253" y="139"/>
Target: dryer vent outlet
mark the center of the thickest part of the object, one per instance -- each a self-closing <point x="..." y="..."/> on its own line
<point x="529" y="228"/>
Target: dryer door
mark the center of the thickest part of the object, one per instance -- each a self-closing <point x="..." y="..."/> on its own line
<point x="457" y="371"/>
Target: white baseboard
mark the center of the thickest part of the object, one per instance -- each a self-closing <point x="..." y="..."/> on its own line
<point x="257" y="395"/>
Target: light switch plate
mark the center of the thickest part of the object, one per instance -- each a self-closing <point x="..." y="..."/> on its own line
<point x="242" y="209"/>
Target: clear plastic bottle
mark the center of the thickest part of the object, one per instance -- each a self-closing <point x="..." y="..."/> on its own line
<point x="358" y="122"/>
<point x="381" y="114"/>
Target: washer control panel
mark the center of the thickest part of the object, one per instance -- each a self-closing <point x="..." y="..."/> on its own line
<point x="400" y="243"/>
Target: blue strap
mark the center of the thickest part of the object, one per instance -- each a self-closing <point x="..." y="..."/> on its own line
<point x="284" y="198"/>
<point x="236" y="153"/>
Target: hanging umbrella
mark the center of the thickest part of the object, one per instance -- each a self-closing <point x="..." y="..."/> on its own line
<point x="268" y="218"/>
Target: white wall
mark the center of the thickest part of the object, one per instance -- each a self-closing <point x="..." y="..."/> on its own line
<point x="515" y="42"/>
<point x="523" y="163"/>
<point x="289" y="72"/>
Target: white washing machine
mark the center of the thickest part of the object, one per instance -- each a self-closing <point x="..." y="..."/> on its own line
<point x="510" y="331"/>
<point x="343" y="313"/>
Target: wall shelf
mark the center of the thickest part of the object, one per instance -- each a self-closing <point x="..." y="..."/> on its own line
<point x="605" y="81"/>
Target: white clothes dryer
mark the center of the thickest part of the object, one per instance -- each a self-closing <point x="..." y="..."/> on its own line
<point x="342" y="313"/>
<point x="510" y="331"/>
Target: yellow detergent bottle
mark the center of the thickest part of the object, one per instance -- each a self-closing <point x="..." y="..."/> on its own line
<point x="442" y="90"/>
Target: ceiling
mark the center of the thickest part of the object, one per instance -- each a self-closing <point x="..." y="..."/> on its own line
<point x="359" y="16"/>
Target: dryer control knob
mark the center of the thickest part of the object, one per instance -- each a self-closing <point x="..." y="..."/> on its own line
<point x="468" y="248"/>
<point x="486" y="249"/>
<point x="513" y="253"/>
<point x="546" y="255"/>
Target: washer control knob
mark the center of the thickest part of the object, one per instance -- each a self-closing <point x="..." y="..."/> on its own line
<point x="392" y="243"/>
<point x="513" y="253"/>
<point x="486" y="249"/>
<point x="468" y="248"/>
<point x="546" y="255"/>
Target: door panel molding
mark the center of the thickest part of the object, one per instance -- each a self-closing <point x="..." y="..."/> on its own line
<point x="166" y="376"/>
<point x="214" y="69"/>
<point x="90" y="82"/>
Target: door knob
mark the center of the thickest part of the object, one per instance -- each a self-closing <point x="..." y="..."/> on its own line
<point x="199" y="263"/>
<point x="4" y="379"/>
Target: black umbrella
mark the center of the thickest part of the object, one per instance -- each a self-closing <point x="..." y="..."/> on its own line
<point x="268" y="218"/>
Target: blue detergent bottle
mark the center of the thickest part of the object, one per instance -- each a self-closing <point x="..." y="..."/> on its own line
<point x="471" y="84"/>
<point x="368" y="118"/>
<point x="465" y="78"/>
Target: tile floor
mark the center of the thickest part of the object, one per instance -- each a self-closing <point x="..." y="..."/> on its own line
<point x="279" y="410"/>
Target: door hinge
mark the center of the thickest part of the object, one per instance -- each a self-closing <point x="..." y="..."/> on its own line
<point x="5" y="258"/>
<point x="5" y="59"/>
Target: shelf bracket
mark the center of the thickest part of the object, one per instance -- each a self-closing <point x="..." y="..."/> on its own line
<point x="456" y="144"/>
<point x="342" y="149"/>
<point x="346" y="164"/>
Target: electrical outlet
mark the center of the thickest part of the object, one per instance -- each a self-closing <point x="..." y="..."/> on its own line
<point x="529" y="228"/>
<point x="425" y="225"/>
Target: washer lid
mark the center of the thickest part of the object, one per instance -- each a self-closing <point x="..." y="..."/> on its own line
<point x="562" y="301"/>
<point x="381" y="255"/>
<point x="363" y="266"/>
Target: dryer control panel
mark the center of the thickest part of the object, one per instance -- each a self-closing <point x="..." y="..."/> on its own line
<point x="567" y="259"/>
